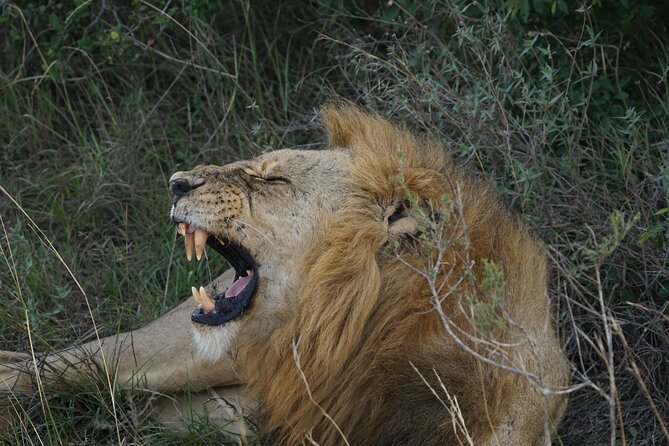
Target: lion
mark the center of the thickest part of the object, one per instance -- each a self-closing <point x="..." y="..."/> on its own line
<point x="379" y="294"/>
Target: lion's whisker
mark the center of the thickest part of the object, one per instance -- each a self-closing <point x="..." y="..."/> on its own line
<point x="246" y="224"/>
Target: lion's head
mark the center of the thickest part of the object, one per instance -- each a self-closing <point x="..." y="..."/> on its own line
<point x="359" y="288"/>
<point x="258" y="214"/>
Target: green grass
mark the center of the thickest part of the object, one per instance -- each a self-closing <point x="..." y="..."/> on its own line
<point x="101" y="104"/>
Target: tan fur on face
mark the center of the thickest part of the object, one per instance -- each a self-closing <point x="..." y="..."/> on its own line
<point x="363" y="330"/>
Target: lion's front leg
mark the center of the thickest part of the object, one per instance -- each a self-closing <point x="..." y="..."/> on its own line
<point x="159" y="357"/>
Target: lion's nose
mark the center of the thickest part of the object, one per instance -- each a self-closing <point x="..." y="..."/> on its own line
<point x="181" y="186"/>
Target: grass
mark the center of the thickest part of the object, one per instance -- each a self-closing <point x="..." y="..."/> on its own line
<point x="103" y="102"/>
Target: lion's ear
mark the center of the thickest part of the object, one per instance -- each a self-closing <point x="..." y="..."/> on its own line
<point x="400" y="223"/>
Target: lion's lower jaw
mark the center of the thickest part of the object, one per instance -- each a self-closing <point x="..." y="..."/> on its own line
<point x="212" y="343"/>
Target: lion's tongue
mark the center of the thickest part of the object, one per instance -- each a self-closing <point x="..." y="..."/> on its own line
<point x="239" y="285"/>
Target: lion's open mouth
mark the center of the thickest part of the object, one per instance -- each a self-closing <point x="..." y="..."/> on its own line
<point x="231" y="303"/>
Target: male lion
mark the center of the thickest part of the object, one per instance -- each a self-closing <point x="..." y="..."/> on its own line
<point x="380" y="295"/>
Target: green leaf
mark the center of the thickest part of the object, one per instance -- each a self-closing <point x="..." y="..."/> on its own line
<point x="539" y="6"/>
<point x="54" y="22"/>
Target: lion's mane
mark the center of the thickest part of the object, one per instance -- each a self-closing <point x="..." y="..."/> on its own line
<point x="360" y="352"/>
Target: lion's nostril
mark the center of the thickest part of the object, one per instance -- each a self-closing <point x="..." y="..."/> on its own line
<point x="181" y="186"/>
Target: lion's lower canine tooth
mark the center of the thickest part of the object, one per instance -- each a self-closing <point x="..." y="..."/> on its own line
<point x="196" y="297"/>
<point x="207" y="302"/>
<point x="200" y="240"/>
<point x="190" y="244"/>
<point x="182" y="228"/>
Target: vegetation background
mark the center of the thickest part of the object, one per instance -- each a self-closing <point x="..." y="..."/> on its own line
<point x="563" y="104"/>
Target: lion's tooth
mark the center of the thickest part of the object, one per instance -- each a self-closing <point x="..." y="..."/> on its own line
<point x="200" y="240"/>
<point x="196" y="297"/>
<point x="207" y="302"/>
<point x="190" y="244"/>
<point x="182" y="228"/>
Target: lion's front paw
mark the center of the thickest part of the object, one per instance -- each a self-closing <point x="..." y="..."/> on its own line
<point x="15" y="373"/>
<point x="16" y="381"/>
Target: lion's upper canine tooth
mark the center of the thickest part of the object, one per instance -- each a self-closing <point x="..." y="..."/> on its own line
<point x="182" y="228"/>
<point x="190" y="244"/>
<point x="200" y="240"/>
<point x="207" y="302"/>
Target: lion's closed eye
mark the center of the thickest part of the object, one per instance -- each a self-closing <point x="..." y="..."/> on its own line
<point x="272" y="179"/>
